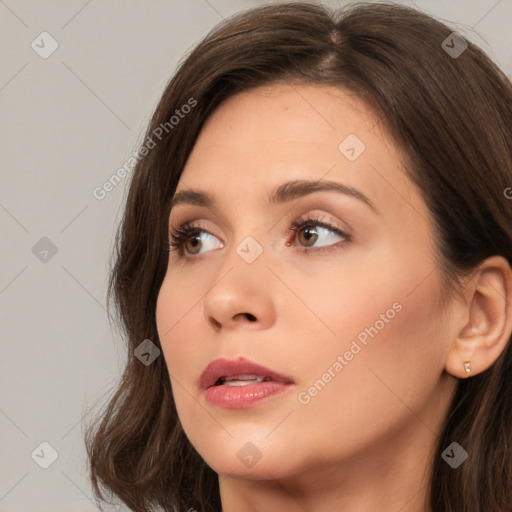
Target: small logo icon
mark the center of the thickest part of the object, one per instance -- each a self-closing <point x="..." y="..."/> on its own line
<point x="44" y="455"/>
<point x="147" y="352"/>
<point x="249" y="249"/>
<point x="351" y="147"/>
<point x="44" y="250"/>
<point x="44" y="45"/>
<point x="454" y="45"/>
<point x="249" y="455"/>
<point x="454" y="455"/>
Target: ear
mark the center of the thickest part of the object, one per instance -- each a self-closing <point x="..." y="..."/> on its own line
<point x="486" y="324"/>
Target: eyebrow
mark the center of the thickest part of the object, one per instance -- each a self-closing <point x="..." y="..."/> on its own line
<point x="283" y="193"/>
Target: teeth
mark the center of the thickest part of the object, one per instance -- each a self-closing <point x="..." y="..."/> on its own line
<point x="242" y="380"/>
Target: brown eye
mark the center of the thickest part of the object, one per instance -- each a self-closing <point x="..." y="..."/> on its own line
<point x="307" y="236"/>
<point x="309" y="231"/>
<point x="190" y="239"/>
<point x="192" y="244"/>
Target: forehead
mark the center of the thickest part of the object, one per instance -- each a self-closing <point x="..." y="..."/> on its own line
<point x="258" y="139"/>
<point x="284" y="118"/>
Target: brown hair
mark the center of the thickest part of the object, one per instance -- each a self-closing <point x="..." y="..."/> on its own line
<point x="450" y="115"/>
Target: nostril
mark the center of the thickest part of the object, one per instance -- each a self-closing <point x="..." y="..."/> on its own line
<point x="249" y="317"/>
<point x="215" y="322"/>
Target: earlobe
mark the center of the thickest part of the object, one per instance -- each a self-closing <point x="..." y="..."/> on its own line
<point x="485" y="331"/>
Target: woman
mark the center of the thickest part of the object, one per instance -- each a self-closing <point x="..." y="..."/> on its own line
<point x="313" y="273"/>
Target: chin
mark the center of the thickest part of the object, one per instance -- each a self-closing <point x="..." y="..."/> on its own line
<point x="263" y="469"/>
<point x="249" y="456"/>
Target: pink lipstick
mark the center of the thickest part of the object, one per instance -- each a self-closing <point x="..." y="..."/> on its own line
<point x="241" y="383"/>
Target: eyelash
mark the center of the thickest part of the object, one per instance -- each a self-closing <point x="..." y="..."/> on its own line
<point x="183" y="233"/>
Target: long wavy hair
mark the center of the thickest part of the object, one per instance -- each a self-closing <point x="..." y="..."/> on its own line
<point x="450" y="112"/>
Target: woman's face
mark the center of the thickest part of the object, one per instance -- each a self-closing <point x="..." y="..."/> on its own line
<point x="352" y="323"/>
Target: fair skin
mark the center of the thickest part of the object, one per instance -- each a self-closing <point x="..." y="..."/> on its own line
<point x="365" y="441"/>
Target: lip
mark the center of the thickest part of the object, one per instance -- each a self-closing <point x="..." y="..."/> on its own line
<point x="235" y="397"/>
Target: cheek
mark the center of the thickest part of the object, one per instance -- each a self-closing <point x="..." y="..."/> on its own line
<point x="389" y="334"/>
<point x="178" y="329"/>
<point x="387" y="357"/>
<point x="178" y="334"/>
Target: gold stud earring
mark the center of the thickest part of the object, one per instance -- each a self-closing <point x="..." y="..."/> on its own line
<point x="467" y="367"/>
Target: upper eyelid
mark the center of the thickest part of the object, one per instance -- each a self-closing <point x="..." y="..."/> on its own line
<point x="324" y="221"/>
<point x="313" y="217"/>
<point x="315" y="201"/>
<point x="182" y="219"/>
<point x="178" y="219"/>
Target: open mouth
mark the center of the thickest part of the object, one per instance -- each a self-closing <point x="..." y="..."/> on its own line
<point x="240" y="383"/>
<point x="241" y="380"/>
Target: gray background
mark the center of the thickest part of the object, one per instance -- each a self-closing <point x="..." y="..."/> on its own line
<point x="68" y="122"/>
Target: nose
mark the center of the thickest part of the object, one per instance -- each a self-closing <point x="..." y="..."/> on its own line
<point x="240" y="297"/>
